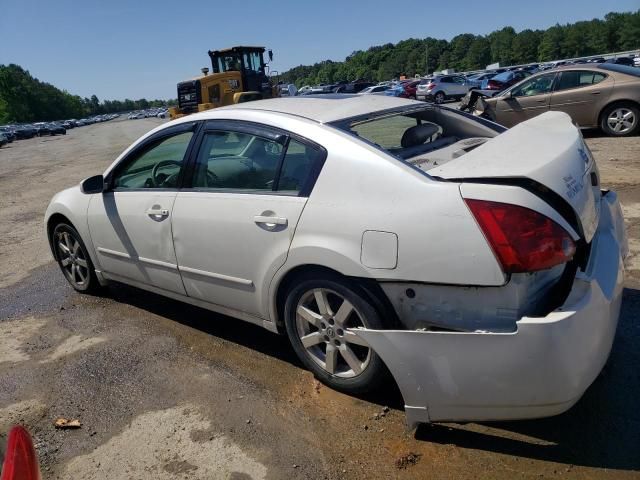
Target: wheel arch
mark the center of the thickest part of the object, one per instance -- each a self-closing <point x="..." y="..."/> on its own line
<point x="52" y="221"/>
<point x="368" y="287"/>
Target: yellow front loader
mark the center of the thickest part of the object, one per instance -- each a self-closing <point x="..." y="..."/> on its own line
<point x="238" y="75"/>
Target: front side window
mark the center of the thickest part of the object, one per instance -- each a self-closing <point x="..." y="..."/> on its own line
<point x="227" y="63"/>
<point x="534" y="86"/>
<point x="156" y="166"/>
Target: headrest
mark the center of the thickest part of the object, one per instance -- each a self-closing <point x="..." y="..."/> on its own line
<point x="419" y="134"/>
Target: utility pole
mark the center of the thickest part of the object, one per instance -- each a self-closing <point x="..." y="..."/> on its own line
<point x="427" y="60"/>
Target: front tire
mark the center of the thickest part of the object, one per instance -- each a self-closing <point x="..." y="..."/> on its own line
<point x="318" y="311"/>
<point x="620" y="120"/>
<point x="73" y="259"/>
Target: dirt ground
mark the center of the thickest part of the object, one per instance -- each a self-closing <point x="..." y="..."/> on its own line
<point x="165" y="390"/>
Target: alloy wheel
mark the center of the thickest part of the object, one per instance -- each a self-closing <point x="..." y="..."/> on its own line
<point x="72" y="259"/>
<point x="322" y="319"/>
<point x="622" y="120"/>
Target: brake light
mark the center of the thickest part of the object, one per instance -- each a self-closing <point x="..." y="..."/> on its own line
<point x="491" y="85"/>
<point x="431" y="86"/>
<point x="21" y="462"/>
<point x="521" y="239"/>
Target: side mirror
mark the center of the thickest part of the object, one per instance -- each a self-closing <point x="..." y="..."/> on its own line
<point x="93" y="184"/>
<point x="270" y="55"/>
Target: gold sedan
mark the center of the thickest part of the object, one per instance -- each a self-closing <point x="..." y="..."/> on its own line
<point x="605" y="96"/>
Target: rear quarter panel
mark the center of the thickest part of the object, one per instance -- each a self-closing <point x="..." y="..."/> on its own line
<point x="361" y="189"/>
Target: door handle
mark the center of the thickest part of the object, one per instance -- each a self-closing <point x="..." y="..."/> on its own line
<point x="268" y="221"/>
<point x="158" y="212"/>
<point x="597" y="92"/>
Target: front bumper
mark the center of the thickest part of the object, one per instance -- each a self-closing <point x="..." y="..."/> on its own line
<point x="541" y="369"/>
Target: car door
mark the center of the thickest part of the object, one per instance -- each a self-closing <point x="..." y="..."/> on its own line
<point x="459" y="86"/>
<point x="130" y="223"/>
<point x="233" y="227"/>
<point x="581" y="94"/>
<point x="524" y="101"/>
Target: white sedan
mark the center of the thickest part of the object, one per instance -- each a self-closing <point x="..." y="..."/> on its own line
<point x="481" y="267"/>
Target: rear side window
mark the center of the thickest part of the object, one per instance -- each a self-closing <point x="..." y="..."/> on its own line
<point x="237" y="161"/>
<point x="299" y="167"/>
<point x="578" y="78"/>
<point x="243" y="162"/>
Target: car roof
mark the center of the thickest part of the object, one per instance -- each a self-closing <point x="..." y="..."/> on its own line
<point x="323" y="108"/>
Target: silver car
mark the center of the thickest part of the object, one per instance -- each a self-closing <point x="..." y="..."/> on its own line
<point x="443" y="87"/>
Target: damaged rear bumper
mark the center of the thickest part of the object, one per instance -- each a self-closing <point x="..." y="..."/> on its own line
<point x="539" y="370"/>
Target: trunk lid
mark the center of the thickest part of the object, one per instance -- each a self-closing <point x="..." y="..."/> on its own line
<point x="547" y="149"/>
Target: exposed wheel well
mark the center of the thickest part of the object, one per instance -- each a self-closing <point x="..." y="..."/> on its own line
<point x="368" y="287"/>
<point x="54" y="220"/>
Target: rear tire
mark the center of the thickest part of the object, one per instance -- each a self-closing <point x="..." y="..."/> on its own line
<point x="439" y="97"/>
<point x="318" y="310"/>
<point x="620" y="119"/>
<point x="73" y="259"/>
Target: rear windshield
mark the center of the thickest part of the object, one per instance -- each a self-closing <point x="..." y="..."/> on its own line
<point x="626" y="69"/>
<point x="409" y="133"/>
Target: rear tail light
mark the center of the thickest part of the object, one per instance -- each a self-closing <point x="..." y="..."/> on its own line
<point x="522" y="240"/>
<point x="20" y="462"/>
<point x="491" y="85"/>
<point x="431" y="86"/>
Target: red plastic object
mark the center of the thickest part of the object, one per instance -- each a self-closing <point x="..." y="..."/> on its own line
<point x="523" y="240"/>
<point x="21" y="461"/>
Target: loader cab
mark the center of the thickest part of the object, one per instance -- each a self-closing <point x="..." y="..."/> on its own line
<point x="249" y="61"/>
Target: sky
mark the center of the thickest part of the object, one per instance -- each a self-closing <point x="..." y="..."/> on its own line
<point x="119" y="49"/>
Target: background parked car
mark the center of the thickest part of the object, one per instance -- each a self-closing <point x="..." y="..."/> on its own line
<point x="374" y="89"/>
<point x="25" y="131"/>
<point x="504" y="80"/>
<point x="477" y="79"/>
<point x="9" y="133"/>
<point x="3" y="139"/>
<point x="622" y="61"/>
<point x="604" y="95"/>
<point x="354" y="87"/>
<point x="444" y="87"/>
<point x="56" y="129"/>
<point x="41" y="129"/>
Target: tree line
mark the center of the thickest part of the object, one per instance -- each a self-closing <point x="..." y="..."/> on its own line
<point x="465" y="52"/>
<point x="24" y="98"/>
